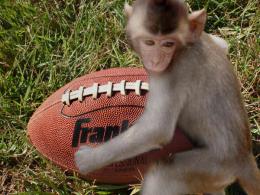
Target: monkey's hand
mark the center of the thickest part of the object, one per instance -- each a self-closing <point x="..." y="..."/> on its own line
<point x="86" y="159"/>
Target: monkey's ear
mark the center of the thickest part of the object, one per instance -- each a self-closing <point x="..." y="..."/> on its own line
<point x="197" y="21"/>
<point x="128" y="9"/>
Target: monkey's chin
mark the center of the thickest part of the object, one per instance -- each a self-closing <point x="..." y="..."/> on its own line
<point x="156" y="68"/>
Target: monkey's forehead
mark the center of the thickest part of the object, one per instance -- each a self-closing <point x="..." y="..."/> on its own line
<point x="158" y="17"/>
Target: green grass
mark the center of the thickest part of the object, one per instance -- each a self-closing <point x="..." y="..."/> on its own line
<point x="45" y="44"/>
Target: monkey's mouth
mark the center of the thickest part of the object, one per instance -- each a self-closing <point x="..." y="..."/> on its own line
<point x="156" y="67"/>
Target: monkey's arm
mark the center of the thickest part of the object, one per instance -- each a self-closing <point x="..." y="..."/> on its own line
<point x="154" y="129"/>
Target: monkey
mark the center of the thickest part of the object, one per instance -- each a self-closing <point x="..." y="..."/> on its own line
<point x="193" y="87"/>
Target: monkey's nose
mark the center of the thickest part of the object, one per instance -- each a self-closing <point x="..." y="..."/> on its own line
<point x="155" y="62"/>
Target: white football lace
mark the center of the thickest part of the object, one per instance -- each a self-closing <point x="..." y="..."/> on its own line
<point x="109" y="88"/>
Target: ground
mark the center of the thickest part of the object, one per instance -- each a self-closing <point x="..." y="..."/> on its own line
<point x="45" y="44"/>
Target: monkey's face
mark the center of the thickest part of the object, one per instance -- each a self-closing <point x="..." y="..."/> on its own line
<point x="156" y="52"/>
<point x="154" y="31"/>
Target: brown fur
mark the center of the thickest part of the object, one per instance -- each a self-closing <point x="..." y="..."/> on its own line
<point x="163" y="16"/>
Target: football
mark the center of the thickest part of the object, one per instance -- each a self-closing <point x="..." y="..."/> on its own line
<point x="91" y="110"/>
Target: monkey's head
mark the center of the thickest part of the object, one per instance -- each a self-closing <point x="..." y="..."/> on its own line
<point x="158" y="29"/>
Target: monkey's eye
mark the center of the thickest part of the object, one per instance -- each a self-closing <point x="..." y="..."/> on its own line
<point x="149" y="42"/>
<point x="168" y="44"/>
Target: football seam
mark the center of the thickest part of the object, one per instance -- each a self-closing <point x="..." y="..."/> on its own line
<point x="97" y="89"/>
<point x="84" y="79"/>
